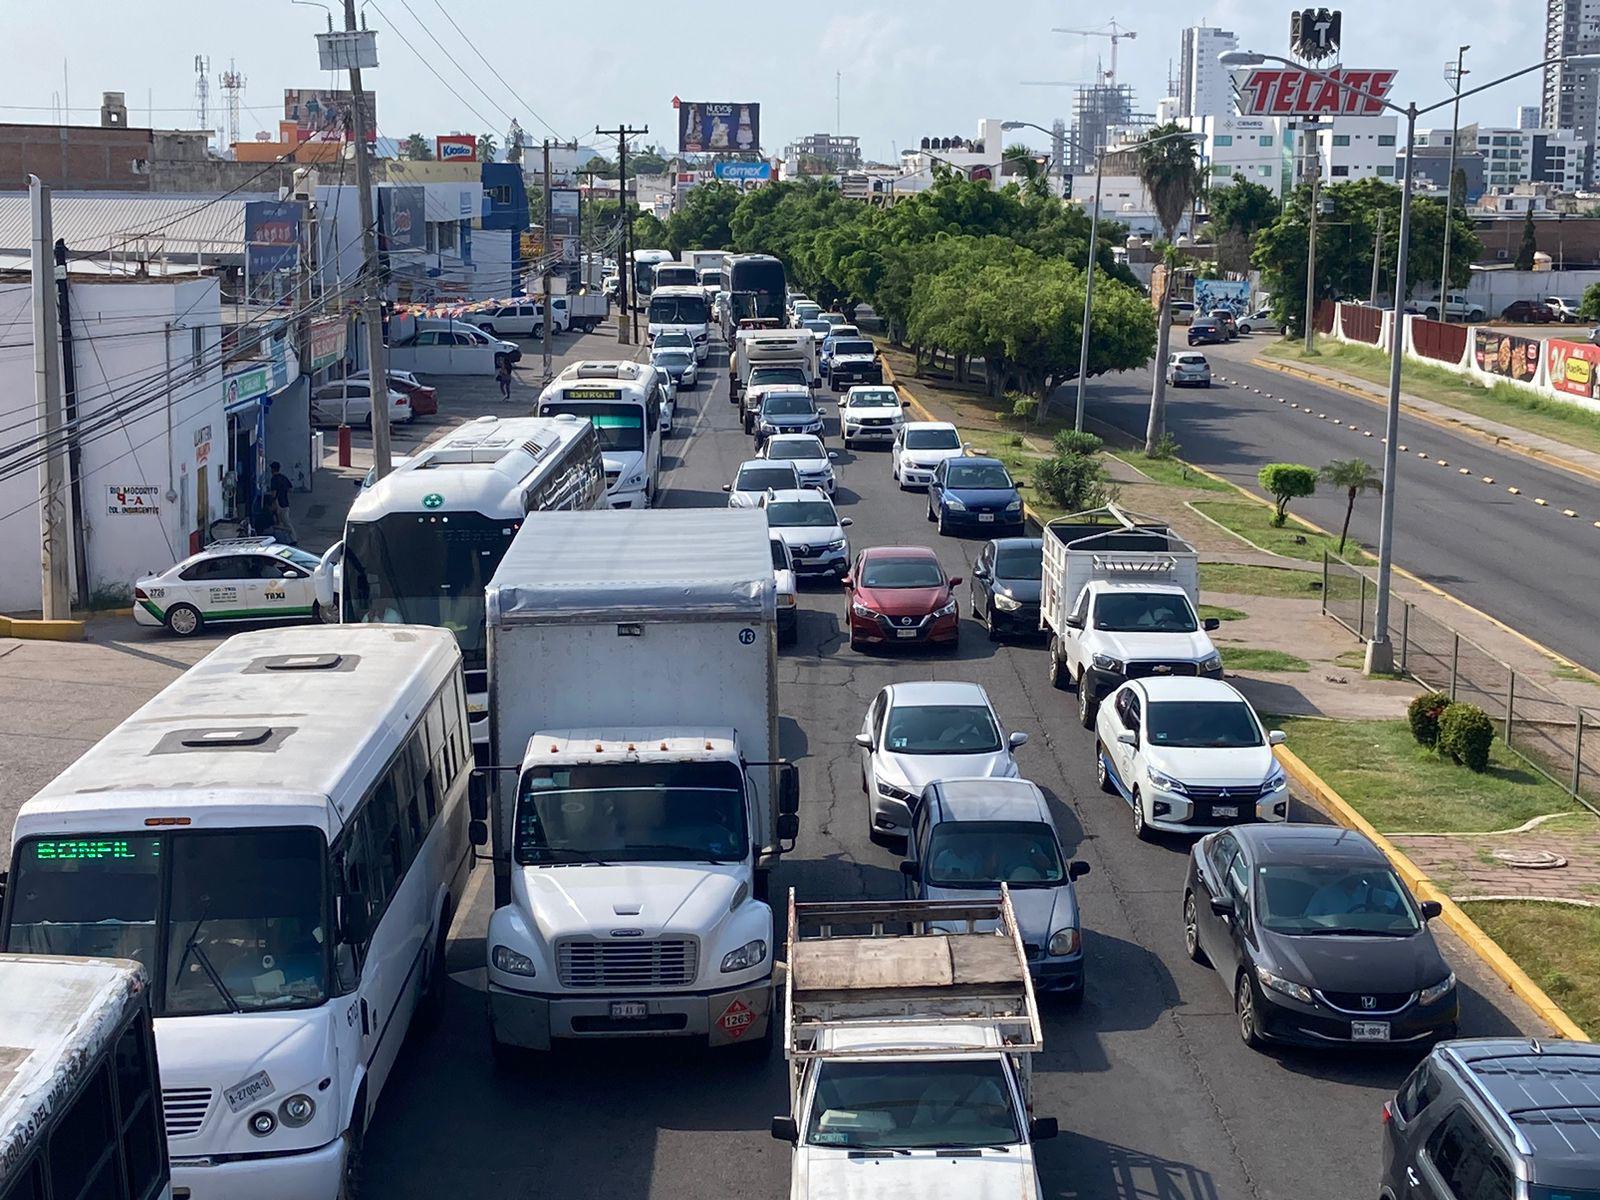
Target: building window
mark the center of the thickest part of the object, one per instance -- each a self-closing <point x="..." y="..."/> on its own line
<point x="447" y="235"/>
<point x="1265" y="139"/>
<point x="1341" y="172"/>
<point x="197" y="344"/>
<point x="1385" y="172"/>
<point x="1499" y="141"/>
<point x="1341" y="139"/>
<point x="1221" y="170"/>
<point x="500" y="196"/>
<point x="1222" y="139"/>
<point x="1264" y="172"/>
<point x="1386" y="139"/>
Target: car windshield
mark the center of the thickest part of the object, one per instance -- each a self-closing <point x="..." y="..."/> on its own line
<point x="905" y="1105"/>
<point x="620" y="426"/>
<point x="816" y="325"/>
<point x="851" y="346"/>
<point x="1019" y="562"/>
<point x="966" y="854"/>
<point x="759" y="479"/>
<point x="942" y="729"/>
<point x="901" y="573"/>
<point x="932" y="439"/>
<point x="873" y="398"/>
<point x="765" y="376"/>
<point x="803" y="514"/>
<point x="782" y="449"/>
<point x="665" y="340"/>
<point x="673" y="358"/>
<point x="1334" y="898"/>
<point x="990" y="476"/>
<point x="222" y="921"/>
<point x="298" y="557"/>
<point x="1228" y="725"/>
<point x="1144" y="612"/>
<point x="787" y="404"/>
<point x="631" y="812"/>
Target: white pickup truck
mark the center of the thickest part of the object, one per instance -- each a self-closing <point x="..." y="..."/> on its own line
<point x="1119" y="596"/>
<point x="633" y="693"/>
<point x="910" y="1054"/>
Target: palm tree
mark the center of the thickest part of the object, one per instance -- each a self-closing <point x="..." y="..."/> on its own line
<point x="1355" y="475"/>
<point x="416" y="148"/>
<point x="486" y="147"/>
<point x="1171" y="175"/>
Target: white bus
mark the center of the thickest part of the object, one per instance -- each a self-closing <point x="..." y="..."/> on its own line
<point x="280" y="838"/>
<point x="685" y="309"/>
<point x="80" y="1102"/>
<point x="421" y="544"/>
<point x="676" y="274"/>
<point x="623" y="400"/>
<point x="644" y="273"/>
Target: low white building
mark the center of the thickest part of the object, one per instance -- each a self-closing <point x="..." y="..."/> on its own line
<point x="1257" y="148"/>
<point x="1351" y="148"/>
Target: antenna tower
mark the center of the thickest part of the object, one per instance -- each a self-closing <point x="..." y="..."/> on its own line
<point x="202" y="90"/>
<point x="232" y="84"/>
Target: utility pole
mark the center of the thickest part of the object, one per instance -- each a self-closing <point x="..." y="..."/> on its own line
<point x="69" y="407"/>
<point x="1377" y="258"/>
<point x="1453" y="78"/>
<point x="549" y="249"/>
<point x="1314" y="166"/>
<point x="54" y="518"/>
<point x="627" y="316"/>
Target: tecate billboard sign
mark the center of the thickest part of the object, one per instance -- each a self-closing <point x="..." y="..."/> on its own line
<point x="1296" y="92"/>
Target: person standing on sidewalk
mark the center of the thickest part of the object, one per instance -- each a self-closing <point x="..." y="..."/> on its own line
<point x="280" y="487"/>
<point x="502" y="374"/>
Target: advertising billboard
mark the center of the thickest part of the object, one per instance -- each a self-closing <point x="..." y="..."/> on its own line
<point x="1574" y="368"/>
<point x="709" y="127"/>
<point x="455" y="147"/>
<point x="1506" y="354"/>
<point x="401" y="213"/>
<point x="271" y="235"/>
<point x="1231" y="294"/>
<point x="325" y="113"/>
<point x="563" y="221"/>
<point x="733" y="169"/>
<point x="1297" y="92"/>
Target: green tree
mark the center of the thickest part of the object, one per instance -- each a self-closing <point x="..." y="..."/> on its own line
<point x="486" y="147"/>
<point x="1285" y="482"/>
<point x="648" y="162"/>
<point x="601" y="166"/>
<point x="1170" y="173"/>
<point x="1354" y="475"/>
<point x="649" y="231"/>
<point x="702" y="221"/>
<point x="1242" y="207"/>
<point x="416" y="148"/>
<point x="1589" y="306"/>
<point x="1530" y="242"/>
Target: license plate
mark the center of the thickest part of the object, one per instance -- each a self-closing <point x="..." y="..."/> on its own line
<point x="985" y="517"/>
<point x="1369" y="1031"/>
<point x="1224" y="810"/>
<point x="905" y="633"/>
<point x="629" y="1010"/>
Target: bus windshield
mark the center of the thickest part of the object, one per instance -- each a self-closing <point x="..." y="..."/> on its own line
<point x="631" y="812"/>
<point x="621" y="426"/>
<point x="679" y="310"/>
<point x="223" y="921"/>
<point x="425" y="569"/>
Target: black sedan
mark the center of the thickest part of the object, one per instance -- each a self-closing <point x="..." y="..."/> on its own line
<point x="1005" y="586"/>
<point x="1204" y="331"/>
<point x="1316" y="936"/>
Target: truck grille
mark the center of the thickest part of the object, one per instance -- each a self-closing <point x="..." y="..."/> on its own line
<point x="1139" y="670"/>
<point x="185" y="1109"/>
<point x="670" y="962"/>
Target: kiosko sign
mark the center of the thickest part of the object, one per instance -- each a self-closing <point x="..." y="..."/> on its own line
<point x="455" y="147"/>
<point x="1296" y="92"/>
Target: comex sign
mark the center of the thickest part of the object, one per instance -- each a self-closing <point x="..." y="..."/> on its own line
<point x="1297" y="92"/>
<point x="760" y="171"/>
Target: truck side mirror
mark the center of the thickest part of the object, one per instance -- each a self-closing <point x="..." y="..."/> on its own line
<point x="478" y="832"/>
<point x="788" y="790"/>
<point x="1042" y="1129"/>
<point x="910" y="868"/>
<point x="1078" y="869"/>
<point x="1210" y="623"/>
<point x="1074" y="621"/>
<point x="788" y="827"/>
<point x="786" y="1129"/>
<point x="478" y="795"/>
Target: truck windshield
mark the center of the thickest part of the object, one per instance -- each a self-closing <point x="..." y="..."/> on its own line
<point x="679" y="310"/>
<point x="426" y="568"/>
<point x="620" y="426"/>
<point x="787" y="404"/>
<point x="631" y="812"/>
<point x="968" y="854"/>
<point x="223" y="921"/>
<point x="1144" y="612"/>
<point x="852" y="347"/>
<point x="911" y="1105"/>
<point x="1215" y="726"/>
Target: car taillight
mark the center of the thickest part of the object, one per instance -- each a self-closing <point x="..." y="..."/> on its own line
<point x="1388" y="1111"/>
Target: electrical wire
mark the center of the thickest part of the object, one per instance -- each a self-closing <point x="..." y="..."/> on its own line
<point x="492" y="71"/>
<point x="409" y="46"/>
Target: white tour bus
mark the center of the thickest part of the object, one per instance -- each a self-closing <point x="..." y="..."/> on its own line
<point x="80" y="1102"/>
<point x="676" y="274"/>
<point x="684" y="309"/>
<point x="421" y="544"/>
<point x="280" y="838"/>
<point x="623" y="400"/>
<point x="644" y="273"/>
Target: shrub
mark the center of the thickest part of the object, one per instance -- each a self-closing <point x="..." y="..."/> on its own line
<point x="1423" y="714"/>
<point x="1589" y="306"/>
<point x="1023" y="408"/>
<point x="1284" y="482"/>
<point x="1073" y="481"/>
<point x="1166" y="447"/>
<point x="1075" y="441"/>
<point x="1465" y="734"/>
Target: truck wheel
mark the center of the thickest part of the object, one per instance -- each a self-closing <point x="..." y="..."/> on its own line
<point x="1087" y="704"/>
<point x="1060" y="677"/>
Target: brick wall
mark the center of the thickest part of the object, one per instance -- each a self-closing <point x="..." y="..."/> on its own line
<point x="77" y="157"/>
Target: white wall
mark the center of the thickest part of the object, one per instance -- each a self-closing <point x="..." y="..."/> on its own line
<point x="123" y="344"/>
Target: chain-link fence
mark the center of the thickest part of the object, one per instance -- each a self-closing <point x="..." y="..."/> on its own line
<point x="1557" y="738"/>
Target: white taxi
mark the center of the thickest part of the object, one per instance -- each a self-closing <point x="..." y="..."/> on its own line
<point x="236" y="579"/>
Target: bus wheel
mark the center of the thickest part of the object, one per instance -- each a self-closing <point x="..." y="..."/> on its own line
<point x="350" y="1179"/>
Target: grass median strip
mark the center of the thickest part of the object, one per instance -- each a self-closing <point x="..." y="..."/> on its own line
<point x="1242" y="579"/>
<point x="1255" y="658"/>
<point x="1172" y="471"/>
<point x="1403" y="788"/>
<point x="1220" y="612"/>
<point x="1556" y="944"/>
<point x="1253" y="522"/>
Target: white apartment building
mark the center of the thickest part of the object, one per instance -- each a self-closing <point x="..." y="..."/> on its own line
<point x="1513" y="156"/>
<point x="1257" y="148"/>
<point x="1351" y="148"/>
<point x="1204" y="84"/>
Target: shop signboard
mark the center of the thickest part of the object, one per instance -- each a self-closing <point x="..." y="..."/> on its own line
<point x="401" y="213"/>
<point x="743" y="172"/>
<point x="327" y="343"/>
<point x="133" y="500"/>
<point x="455" y="147"/>
<point x="1573" y="368"/>
<point x="272" y="235"/>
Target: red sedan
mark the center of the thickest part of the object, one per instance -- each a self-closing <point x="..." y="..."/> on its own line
<point x="901" y="594"/>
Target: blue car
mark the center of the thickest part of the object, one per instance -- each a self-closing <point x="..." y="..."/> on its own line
<point x="975" y="495"/>
<point x="968" y="836"/>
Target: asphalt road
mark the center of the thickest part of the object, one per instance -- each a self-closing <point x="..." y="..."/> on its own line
<point x="1497" y="551"/>
<point x="1155" y="1093"/>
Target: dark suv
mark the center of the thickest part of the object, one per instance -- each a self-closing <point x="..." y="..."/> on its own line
<point x="1493" y="1118"/>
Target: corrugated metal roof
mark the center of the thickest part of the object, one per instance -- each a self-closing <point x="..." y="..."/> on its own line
<point x="93" y="224"/>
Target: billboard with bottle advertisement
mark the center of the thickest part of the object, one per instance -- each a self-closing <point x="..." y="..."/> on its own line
<point x="710" y="127"/>
<point x="1506" y="355"/>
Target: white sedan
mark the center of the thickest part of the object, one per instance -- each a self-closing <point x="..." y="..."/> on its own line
<point x="239" y="579"/>
<point x="870" y="413"/>
<point x="916" y="733"/>
<point x="919" y="447"/>
<point x="806" y="451"/>
<point x="1188" y="755"/>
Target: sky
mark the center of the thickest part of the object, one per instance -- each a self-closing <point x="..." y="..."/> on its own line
<point x="903" y="70"/>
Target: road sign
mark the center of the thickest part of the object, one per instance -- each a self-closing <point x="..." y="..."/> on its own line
<point x="1297" y="92"/>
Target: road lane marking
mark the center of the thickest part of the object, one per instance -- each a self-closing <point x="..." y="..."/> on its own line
<point x="1514" y="491"/>
<point x="1567" y="512"/>
<point x="1541" y="501"/>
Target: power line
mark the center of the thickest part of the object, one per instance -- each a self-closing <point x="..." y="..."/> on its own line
<point x="494" y="72"/>
<point x="434" y="70"/>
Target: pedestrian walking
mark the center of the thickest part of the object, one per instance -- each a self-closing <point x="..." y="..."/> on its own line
<point x="280" y="487"/>
<point x="502" y="374"/>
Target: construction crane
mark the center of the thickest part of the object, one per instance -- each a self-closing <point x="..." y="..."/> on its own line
<point x="1116" y="33"/>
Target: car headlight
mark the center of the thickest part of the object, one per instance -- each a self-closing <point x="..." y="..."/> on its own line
<point x="1212" y="662"/>
<point x="838" y="545"/>
<point x="947" y="609"/>
<point x="1284" y="987"/>
<point x="262" y="1123"/>
<point x="749" y="955"/>
<point x="508" y="960"/>
<point x="1064" y="942"/>
<point x="1166" y="782"/>
<point x="952" y="502"/>
<point x="895" y="793"/>
<point x="1276" y="781"/>
<point x="1014" y="506"/>
<point x="635" y="480"/>
<point x="297" y="1110"/>
<point x="861" y="610"/>
<point x="786" y="599"/>
<point x="1005" y="603"/>
<point x="1104" y="662"/>
<point x="1438" y="991"/>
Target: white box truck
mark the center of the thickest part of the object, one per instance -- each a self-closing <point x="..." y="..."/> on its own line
<point x="633" y="693"/>
<point x="1120" y="596"/>
<point x="910" y="1054"/>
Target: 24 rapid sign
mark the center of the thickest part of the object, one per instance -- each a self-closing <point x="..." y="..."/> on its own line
<point x="1298" y="92"/>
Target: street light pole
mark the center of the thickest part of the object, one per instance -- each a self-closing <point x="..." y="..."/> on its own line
<point x="1314" y="169"/>
<point x="1088" y="290"/>
<point x="1450" y="185"/>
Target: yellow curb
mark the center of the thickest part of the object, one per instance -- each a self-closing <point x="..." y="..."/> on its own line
<point x="41" y="631"/>
<point x="1550" y="460"/>
<point x="1463" y="926"/>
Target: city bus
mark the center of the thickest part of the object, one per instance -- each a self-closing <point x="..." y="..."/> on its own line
<point x="280" y="838"/>
<point x="757" y="287"/>
<point x="682" y="307"/>
<point x="422" y="543"/>
<point x="644" y="273"/>
<point x="623" y="400"/>
<point x="80" y="1100"/>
